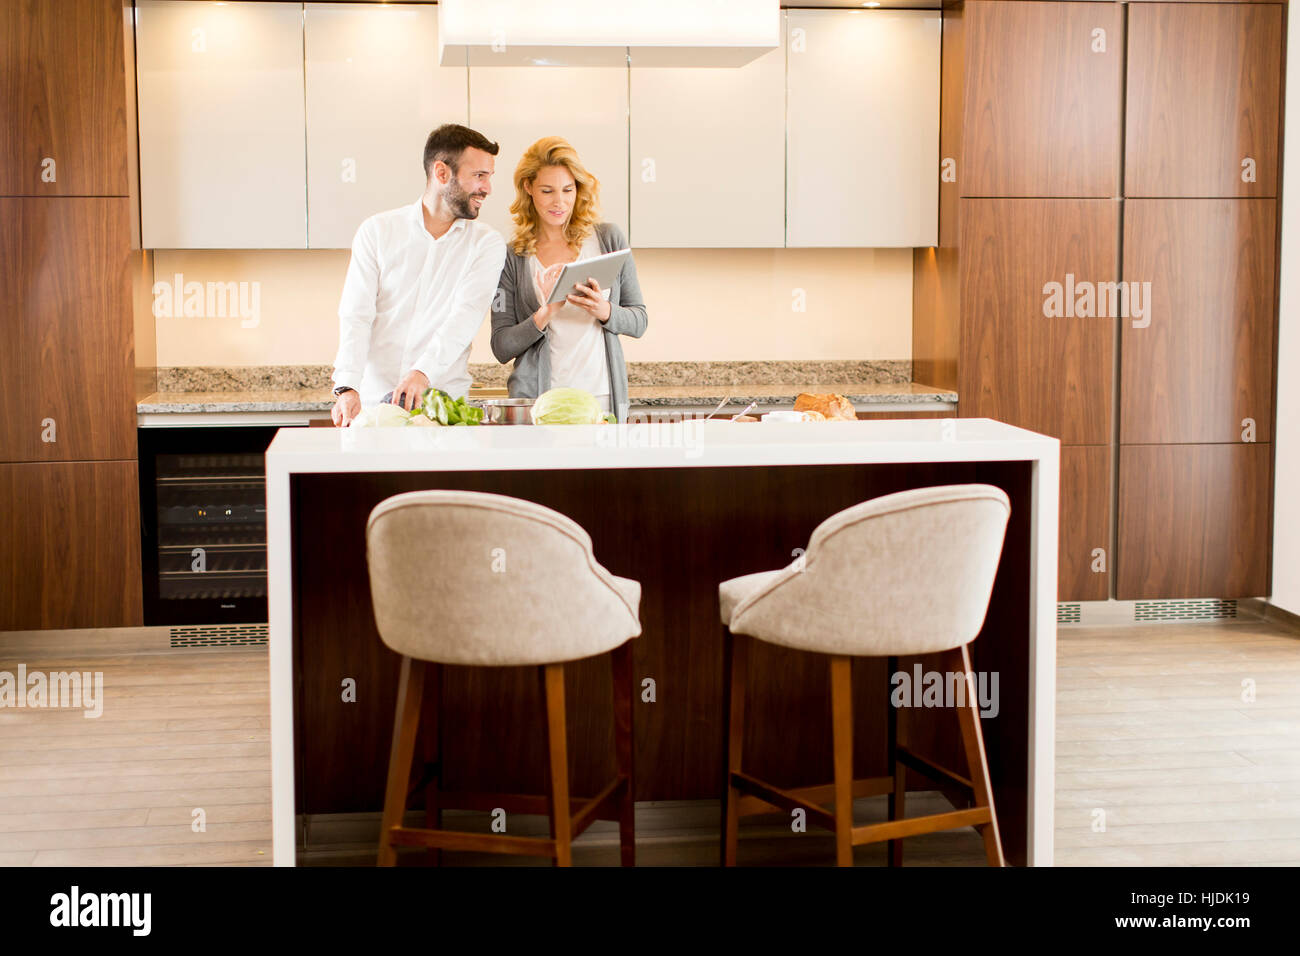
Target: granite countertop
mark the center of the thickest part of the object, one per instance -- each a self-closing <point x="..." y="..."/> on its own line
<point x="320" y="399"/>
<point x="859" y="394"/>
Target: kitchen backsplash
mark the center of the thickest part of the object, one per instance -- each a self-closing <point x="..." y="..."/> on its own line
<point x="258" y="378"/>
<point x="279" y="308"/>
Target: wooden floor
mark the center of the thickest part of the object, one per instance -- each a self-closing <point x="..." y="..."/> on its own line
<point x="1160" y="761"/>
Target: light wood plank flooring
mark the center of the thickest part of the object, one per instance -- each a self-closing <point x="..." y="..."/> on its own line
<point x="1154" y="740"/>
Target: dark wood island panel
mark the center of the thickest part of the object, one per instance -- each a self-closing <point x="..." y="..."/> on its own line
<point x="679" y="531"/>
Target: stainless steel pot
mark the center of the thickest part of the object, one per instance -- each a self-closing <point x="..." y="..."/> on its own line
<point x="507" y="411"/>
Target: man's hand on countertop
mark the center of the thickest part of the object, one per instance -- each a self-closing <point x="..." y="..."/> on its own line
<point x="346" y="407"/>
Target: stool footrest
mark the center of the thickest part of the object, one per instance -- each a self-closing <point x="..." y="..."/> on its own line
<point x="471" y="842"/>
<point x="930" y="769"/>
<point x="818" y="794"/>
<point x="933" y="823"/>
<point x="590" y="811"/>
<point x="781" y="799"/>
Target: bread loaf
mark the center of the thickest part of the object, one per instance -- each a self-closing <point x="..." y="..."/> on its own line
<point x="832" y="406"/>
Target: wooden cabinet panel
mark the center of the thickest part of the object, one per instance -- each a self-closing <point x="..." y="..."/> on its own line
<point x="862" y="128"/>
<point x="730" y="121"/>
<point x="1082" y="573"/>
<point x="61" y="83"/>
<point x="952" y="82"/>
<point x="598" y="130"/>
<point x="365" y="144"/>
<point x="1042" y="99"/>
<point x="1202" y="361"/>
<point x="1204" y="81"/>
<point x="1051" y="373"/>
<point x="936" y="331"/>
<point x="1193" y="521"/>
<point x="886" y="416"/>
<point x="222" y="154"/>
<point x="69" y="545"/>
<point x="66" y="311"/>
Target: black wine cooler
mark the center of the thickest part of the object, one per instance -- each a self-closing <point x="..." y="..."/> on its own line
<point x="203" y="524"/>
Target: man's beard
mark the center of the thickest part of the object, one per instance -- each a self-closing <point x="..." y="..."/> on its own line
<point x="459" y="201"/>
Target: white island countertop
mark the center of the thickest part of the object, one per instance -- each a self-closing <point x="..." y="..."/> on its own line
<point x="690" y="444"/>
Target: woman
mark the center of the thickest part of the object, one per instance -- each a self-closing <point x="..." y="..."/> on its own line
<point x="572" y="343"/>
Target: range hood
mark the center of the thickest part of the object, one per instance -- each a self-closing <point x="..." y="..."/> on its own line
<point x="704" y="33"/>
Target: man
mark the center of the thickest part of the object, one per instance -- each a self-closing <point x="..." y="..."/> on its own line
<point x="420" y="282"/>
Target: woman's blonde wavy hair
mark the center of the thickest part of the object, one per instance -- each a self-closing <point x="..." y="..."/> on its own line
<point x="553" y="151"/>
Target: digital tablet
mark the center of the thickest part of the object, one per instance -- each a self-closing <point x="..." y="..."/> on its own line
<point x="604" y="269"/>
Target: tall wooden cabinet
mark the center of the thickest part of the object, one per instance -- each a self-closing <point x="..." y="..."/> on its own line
<point x="69" y="512"/>
<point x="1203" y="96"/>
<point x="1112" y="181"/>
<point x="1198" y="366"/>
<point x="1028" y="357"/>
<point x="1030" y="224"/>
<point x="1201" y="181"/>
<point x="1042" y="99"/>
<point x="64" y="101"/>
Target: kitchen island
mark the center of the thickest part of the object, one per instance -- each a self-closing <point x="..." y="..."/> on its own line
<point x="679" y="507"/>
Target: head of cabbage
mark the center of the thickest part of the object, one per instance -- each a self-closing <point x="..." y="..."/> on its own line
<point x="389" y="416"/>
<point x="568" y="406"/>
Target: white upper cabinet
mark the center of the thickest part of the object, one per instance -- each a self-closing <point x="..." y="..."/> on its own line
<point x="708" y="155"/>
<point x="863" y="128"/>
<point x="517" y="105"/>
<point x="374" y="92"/>
<point x="222" y="160"/>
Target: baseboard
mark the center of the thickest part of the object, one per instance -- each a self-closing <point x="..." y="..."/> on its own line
<point x="1273" y="614"/>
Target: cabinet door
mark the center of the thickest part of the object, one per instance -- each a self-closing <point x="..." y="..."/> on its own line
<point x="63" y="127"/>
<point x="1042" y="113"/>
<point x="708" y="155"/>
<point x="1198" y="367"/>
<point x="69" y="545"/>
<point x="1193" y="521"/>
<point x="1204" y="81"/>
<point x="67" y="362"/>
<point x="862" y="128"/>
<point x="374" y="92"/>
<point x="1037" y="345"/>
<point x="1084" y="559"/>
<point x="222" y="159"/>
<point x="517" y="105"/>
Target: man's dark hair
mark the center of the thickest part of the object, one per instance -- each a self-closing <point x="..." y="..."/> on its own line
<point x="448" y="141"/>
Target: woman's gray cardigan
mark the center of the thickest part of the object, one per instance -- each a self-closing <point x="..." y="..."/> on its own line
<point x="515" y="335"/>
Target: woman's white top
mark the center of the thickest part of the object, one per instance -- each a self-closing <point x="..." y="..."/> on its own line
<point x="577" y="338"/>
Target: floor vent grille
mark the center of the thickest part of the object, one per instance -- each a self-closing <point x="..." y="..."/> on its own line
<point x="1208" y="609"/>
<point x="1067" y="613"/>
<point x="220" y="635"/>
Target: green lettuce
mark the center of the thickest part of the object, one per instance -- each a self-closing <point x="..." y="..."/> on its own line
<point x="567" y="406"/>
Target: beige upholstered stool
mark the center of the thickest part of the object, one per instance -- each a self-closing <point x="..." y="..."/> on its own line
<point x="460" y="577"/>
<point x="909" y="573"/>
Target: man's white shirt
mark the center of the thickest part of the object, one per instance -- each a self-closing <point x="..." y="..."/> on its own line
<point x="414" y="302"/>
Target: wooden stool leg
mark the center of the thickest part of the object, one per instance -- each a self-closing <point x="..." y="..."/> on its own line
<point x="735" y="670"/>
<point x="897" y="799"/>
<point x="842" y="746"/>
<point x="621" y="661"/>
<point x="552" y="676"/>
<point x="431" y="732"/>
<point x="973" y="740"/>
<point x="406" y="723"/>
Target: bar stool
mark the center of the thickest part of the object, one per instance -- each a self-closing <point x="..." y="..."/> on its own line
<point x="909" y="573"/>
<point x="526" y="590"/>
